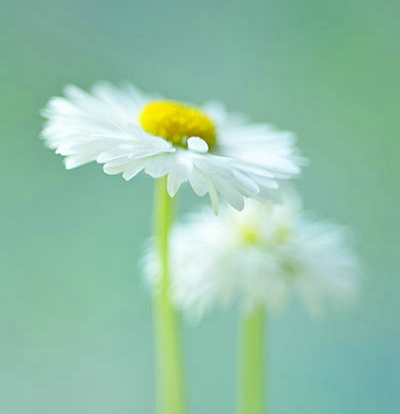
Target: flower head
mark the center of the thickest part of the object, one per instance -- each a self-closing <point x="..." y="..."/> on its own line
<point x="258" y="258"/>
<point x="128" y="131"/>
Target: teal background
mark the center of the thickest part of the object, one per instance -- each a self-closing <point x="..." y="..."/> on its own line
<point x="75" y="316"/>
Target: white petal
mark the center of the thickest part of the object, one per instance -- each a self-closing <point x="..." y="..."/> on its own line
<point x="213" y="195"/>
<point x="133" y="170"/>
<point x="231" y="195"/>
<point x="160" y="165"/>
<point x="197" y="144"/>
<point x="249" y="186"/>
<point x="178" y="175"/>
<point x="74" y="161"/>
<point x="113" y="169"/>
<point x="198" y="182"/>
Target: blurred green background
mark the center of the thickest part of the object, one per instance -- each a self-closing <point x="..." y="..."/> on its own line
<point x="75" y="318"/>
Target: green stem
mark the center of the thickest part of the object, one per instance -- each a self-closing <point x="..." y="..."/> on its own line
<point x="171" y="398"/>
<point x="251" y="375"/>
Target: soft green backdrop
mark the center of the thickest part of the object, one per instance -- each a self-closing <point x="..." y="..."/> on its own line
<point x="75" y="320"/>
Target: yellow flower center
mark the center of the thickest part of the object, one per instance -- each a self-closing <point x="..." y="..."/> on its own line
<point x="176" y="122"/>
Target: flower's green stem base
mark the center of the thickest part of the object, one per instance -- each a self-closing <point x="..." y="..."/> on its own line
<point x="171" y="393"/>
<point x="251" y="375"/>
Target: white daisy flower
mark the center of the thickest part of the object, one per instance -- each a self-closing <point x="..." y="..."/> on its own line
<point x="258" y="258"/>
<point x="128" y="131"/>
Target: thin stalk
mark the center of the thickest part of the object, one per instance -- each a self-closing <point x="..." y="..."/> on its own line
<point x="171" y="393"/>
<point x="251" y="363"/>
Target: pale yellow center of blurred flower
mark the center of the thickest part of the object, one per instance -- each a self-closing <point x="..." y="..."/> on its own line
<point x="176" y="122"/>
<point x="282" y="235"/>
<point x="250" y="235"/>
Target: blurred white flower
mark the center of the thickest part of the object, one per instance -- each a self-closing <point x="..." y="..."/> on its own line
<point x="258" y="257"/>
<point x="128" y="132"/>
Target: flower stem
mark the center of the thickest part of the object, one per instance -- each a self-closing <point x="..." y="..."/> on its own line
<point x="171" y="398"/>
<point x="251" y="375"/>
